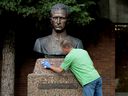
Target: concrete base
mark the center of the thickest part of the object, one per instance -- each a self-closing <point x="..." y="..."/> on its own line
<point x="44" y="82"/>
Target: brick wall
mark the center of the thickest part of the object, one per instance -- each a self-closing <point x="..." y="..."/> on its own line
<point x="21" y="74"/>
<point x="103" y="55"/>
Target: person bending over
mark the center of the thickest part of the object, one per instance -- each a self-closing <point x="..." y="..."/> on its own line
<point x="81" y="65"/>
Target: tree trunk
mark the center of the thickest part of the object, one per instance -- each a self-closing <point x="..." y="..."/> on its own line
<point x="8" y="65"/>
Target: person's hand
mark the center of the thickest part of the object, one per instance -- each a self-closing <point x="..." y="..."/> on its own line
<point x="46" y="64"/>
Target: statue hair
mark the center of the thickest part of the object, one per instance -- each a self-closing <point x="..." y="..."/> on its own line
<point x="60" y="6"/>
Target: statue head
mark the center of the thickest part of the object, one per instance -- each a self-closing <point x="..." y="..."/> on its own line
<point x="60" y="6"/>
<point x="59" y="15"/>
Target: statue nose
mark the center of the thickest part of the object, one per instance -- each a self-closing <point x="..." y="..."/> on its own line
<point x="58" y="20"/>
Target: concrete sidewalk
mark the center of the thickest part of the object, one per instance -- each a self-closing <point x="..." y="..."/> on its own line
<point x="121" y="93"/>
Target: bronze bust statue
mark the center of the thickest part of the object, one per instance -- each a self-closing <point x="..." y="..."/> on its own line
<point x="50" y="45"/>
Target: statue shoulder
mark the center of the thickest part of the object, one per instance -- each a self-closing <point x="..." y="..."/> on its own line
<point x="44" y="38"/>
<point x="77" y="43"/>
<point x="74" y="39"/>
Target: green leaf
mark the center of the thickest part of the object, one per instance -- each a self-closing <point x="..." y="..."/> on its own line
<point x="41" y="8"/>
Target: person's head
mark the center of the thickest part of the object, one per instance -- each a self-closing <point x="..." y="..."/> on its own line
<point x="66" y="46"/>
<point x="59" y="15"/>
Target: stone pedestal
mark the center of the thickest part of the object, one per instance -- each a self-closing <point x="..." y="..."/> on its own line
<point x="43" y="82"/>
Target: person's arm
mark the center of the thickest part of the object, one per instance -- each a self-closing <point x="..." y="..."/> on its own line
<point x="47" y="65"/>
<point x="56" y="69"/>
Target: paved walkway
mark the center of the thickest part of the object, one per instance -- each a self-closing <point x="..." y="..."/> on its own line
<point x="121" y="94"/>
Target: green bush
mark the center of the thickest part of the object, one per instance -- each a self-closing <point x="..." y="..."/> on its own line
<point x="40" y="8"/>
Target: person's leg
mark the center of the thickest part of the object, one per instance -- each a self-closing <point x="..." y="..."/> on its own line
<point x="98" y="88"/>
<point x="89" y="89"/>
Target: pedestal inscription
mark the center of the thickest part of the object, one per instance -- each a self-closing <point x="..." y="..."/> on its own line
<point x="58" y="86"/>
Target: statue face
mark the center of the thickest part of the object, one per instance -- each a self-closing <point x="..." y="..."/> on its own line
<point x="58" y="20"/>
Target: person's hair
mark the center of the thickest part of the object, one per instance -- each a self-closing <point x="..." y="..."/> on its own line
<point x="66" y="44"/>
<point x="60" y="6"/>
